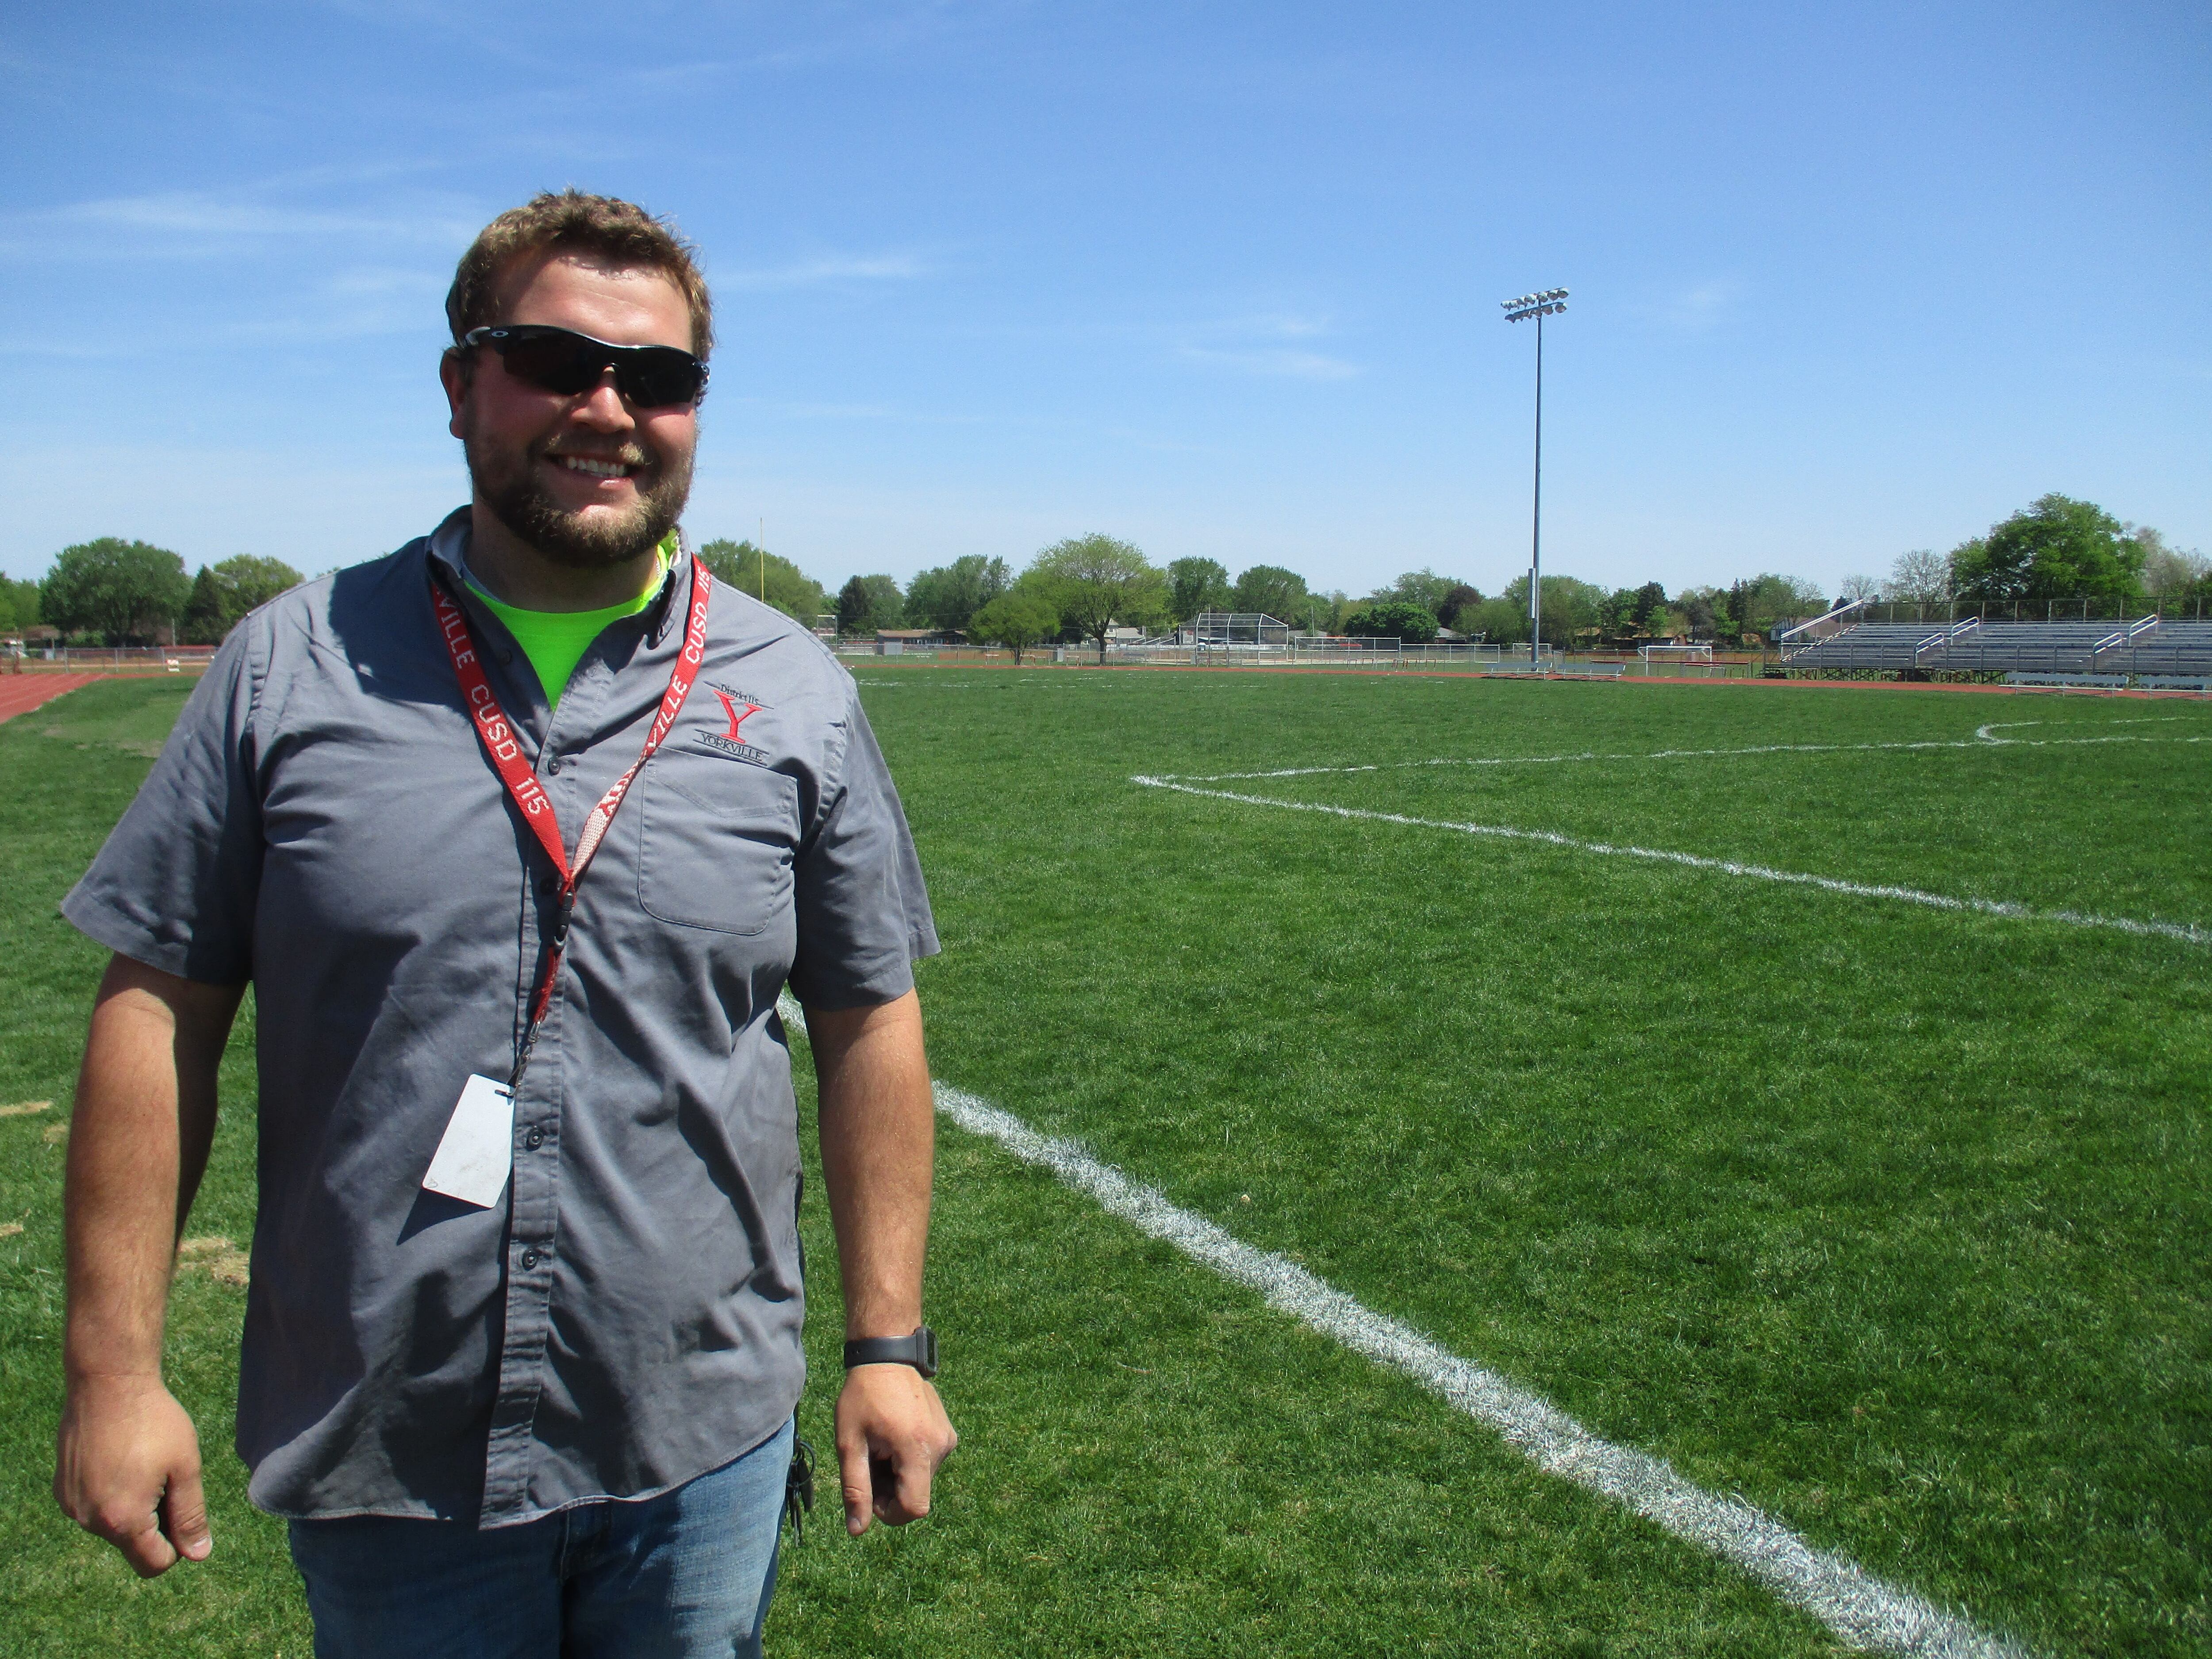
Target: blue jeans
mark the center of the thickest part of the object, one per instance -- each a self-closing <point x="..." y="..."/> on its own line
<point x="681" y="1576"/>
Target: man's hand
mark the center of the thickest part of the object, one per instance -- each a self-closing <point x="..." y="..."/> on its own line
<point x="892" y="1433"/>
<point x="127" y="1468"/>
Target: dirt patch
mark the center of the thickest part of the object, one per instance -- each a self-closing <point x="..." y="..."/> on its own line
<point x="55" y="1133"/>
<point x="24" y="1109"/>
<point x="224" y="1261"/>
<point x="10" y="1229"/>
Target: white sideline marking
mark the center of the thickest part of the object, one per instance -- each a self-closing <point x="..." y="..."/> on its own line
<point x="2187" y="933"/>
<point x="1857" y="1606"/>
<point x="1981" y="740"/>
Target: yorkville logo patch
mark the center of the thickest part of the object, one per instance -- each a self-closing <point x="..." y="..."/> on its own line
<point x="739" y="708"/>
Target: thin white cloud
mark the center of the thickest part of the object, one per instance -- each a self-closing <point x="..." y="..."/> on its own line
<point x="1696" y="309"/>
<point x="197" y="224"/>
<point x="1257" y="345"/>
<point x="776" y="38"/>
<point x="829" y="269"/>
<point x="1277" y="360"/>
<point x="386" y="279"/>
<point x="359" y="301"/>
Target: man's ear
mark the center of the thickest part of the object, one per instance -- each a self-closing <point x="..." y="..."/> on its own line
<point x="453" y="373"/>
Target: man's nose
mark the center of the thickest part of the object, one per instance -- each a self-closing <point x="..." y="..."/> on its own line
<point x="604" y="407"/>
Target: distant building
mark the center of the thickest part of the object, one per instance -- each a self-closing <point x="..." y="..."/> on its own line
<point x="892" y="641"/>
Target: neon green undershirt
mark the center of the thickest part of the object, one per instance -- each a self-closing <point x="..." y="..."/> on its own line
<point x="556" y="640"/>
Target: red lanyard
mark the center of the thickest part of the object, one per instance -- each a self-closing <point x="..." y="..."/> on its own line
<point x="497" y="734"/>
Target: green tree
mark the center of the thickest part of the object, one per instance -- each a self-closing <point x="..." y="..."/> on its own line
<point x="121" y="590"/>
<point x="746" y="568"/>
<point x="204" y="621"/>
<point x="1196" y="584"/>
<point x="1571" y="608"/>
<point x="1763" y="604"/>
<point x="949" y="596"/>
<point x="2058" y="549"/>
<point x="1920" y="577"/>
<point x="865" y="603"/>
<point x="1392" y="619"/>
<point x="1497" y="621"/>
<point x="1272" y="591"/>
<point x="224" y="592"/>
<point x="2167" y="572"/>
<point x="1325" y="612"/>
<point x="19" y="605"/>
<point x="1097" y="582"/>
<point x="1017" y="619"/>
<point x="1631" y="613"/>
<point x="1424" y="587"/>
<point x="1702" y="610"/>
<point x="1459" y="597"/>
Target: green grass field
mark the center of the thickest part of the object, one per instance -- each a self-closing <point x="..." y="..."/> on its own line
<point x="1890" y="1220"/>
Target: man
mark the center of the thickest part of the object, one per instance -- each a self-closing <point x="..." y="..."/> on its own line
<point x="519" y="835"/>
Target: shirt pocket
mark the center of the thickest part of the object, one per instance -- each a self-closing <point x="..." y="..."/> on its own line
<point x="716" y="852"/>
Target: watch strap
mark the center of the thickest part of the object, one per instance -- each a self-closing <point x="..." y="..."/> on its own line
<point x="919" y="1351"/>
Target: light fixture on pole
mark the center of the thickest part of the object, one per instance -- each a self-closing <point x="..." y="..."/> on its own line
<point x="1539" y="306"/>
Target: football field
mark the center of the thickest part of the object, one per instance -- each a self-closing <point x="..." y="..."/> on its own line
<point x="1450" y="1166"/>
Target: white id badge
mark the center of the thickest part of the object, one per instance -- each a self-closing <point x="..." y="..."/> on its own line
<point x="471" y="1162"/>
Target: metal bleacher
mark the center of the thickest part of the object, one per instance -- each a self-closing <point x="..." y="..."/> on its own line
<point x="2173" y="649"/>
<point x="2145" y="646"/>
<point x="1869" y="645"/>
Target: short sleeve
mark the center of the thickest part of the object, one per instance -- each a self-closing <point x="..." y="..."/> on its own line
<point x="862" y="912"/>
<point x="175" y="885"/>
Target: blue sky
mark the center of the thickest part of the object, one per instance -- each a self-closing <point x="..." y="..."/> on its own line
<point x="1222" y="279"/>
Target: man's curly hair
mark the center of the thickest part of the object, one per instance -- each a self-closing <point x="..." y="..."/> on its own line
<point x="601" y="226"/>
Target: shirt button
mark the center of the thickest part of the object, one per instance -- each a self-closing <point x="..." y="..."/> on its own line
<point x="553" y="767"/>
<point x="535" y="1138"/>
<point x="506" y="658"/>
<point x="529" y="1260"/>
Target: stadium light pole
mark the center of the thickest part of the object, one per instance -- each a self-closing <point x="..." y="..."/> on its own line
<point x="1539" y="306"/>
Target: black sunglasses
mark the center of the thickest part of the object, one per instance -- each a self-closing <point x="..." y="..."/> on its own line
<point x="561" y="360"/>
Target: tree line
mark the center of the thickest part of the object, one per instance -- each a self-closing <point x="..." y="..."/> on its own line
<point x="2054" y="551"/>
<point x="1081" y="588"/>
<point x="112" y="592"/>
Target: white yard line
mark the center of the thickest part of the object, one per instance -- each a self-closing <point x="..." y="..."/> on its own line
<point x="2188" y="933"/>
<point x="1857" y="1606"/>
<point x="1981" y="740"/>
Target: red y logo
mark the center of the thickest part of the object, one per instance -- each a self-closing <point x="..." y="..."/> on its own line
<point x="737" y="711"/>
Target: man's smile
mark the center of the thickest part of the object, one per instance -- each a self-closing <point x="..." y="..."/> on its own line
<point x="597" y="469"/>
<point x="627" y="464"/>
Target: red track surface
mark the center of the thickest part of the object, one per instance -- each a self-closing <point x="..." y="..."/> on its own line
<point x="20" y="693"/>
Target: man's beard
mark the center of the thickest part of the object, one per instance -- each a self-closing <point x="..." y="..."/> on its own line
<point x="598" y="540"/>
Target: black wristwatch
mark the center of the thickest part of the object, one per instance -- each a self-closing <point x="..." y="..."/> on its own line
<point x="919" y="1351"/>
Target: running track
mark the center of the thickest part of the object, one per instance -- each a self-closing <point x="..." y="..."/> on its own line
<point x="20" y="693"/>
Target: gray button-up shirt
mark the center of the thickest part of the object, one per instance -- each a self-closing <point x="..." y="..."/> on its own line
<point x="323" y="822"/>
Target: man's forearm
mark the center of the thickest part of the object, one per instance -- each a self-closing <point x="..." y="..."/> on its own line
<point x="126" y="1457"/>
<point x="139" y="1137"/>
<point x="878" y="1144"/>
<point x="878" y="1147"/>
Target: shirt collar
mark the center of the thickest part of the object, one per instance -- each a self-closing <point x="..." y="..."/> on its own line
<point x="449" y="546"/>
